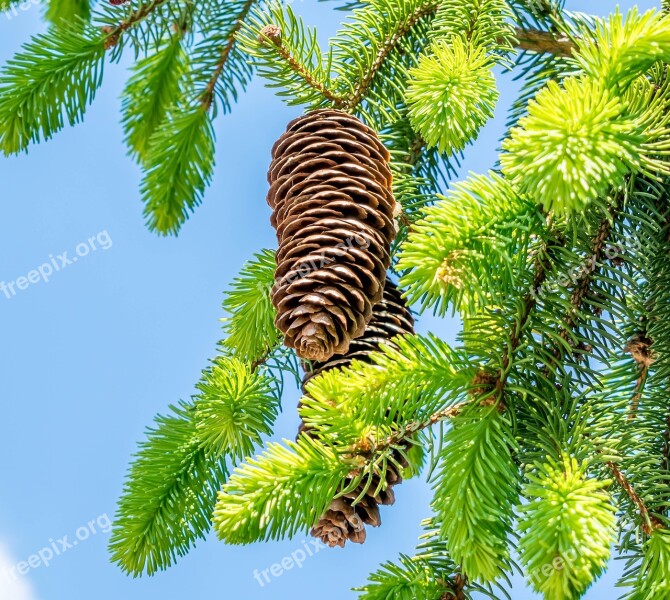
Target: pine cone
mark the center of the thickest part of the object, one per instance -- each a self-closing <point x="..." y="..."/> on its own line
<point x="333" y="208"/>
<point x="390" y="318"/>
<point x="343" y="520"/>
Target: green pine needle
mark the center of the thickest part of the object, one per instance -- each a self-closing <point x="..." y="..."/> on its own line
<point x="409" y="579"/>
<point x="485" y="23"/>
<point x="623" y="48"/>
<point x="567" y="527"/>
<point x="68" y="11"/>
<point x="397" y="31"/>
<point x="50" y="82"/>
<point x="249" y="309"/>
<point x="303" y="78"/>
<point x="235" y="407"/>
<point x="451" y="94"/>
<point x="171" y="489"/>
<point x="284" y="491"/>
<point x="476" y="491"/>
<point x="168" y="498"/>
<point x="577" y="143"/>
<point x="150" y="93"/>
<point x="469" y="247"/>
<point x="399" y="386"/>
<point x="653" y="582"/>
<point x="180" y="165"/>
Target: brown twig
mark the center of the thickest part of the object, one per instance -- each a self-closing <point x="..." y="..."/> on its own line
<point x="384" y="51"/>
<point x="274" y="34"/>
<point x="456" y="589"/>
<point x="639" y="347"/>
<point x="649" y="523"/>
<point x="113" y="34"/>
<point x="542" y="268"/>
<point x="585" y="279"/>
<point x="543" y="42"/>
<point x="532" y="40"/>
<point x="399" y="437"/>
<point x="207" y="96"/>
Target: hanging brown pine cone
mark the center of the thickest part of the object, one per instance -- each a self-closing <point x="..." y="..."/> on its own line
<point x="333" y="208"/>
<point x="345" y="520"/>
<point x="390" y="318"/>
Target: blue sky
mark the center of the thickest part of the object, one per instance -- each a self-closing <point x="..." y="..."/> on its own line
<point x="88" y="358"/>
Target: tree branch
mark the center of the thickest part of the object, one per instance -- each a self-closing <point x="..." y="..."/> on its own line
<point x="113" y="34"/>
<point x="400" y="437"/>
<point x="389" y="45"/>
<point x="544" y="42"/>
<point x="274" y="34"/>
<point x="649" y="523"/>
<point x="639" y="347"/>
<point x="207" y="96"/>
<point x="542" y="269"/>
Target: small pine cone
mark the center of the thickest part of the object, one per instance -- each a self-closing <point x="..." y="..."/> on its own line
<point x="333" y="208"/>
<point x="390" y="318"/>
<point x="339" y="524"/>
<point x="345" y="520"/>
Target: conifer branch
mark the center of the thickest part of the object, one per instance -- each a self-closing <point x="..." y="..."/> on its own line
<point x="207" y="97"/>
<point x="665" y="462"/>
<point x="113" y="34"/>
<point x="584" y="281"/>
<point x="274" y="34"/>
<point x="640" y="349"/>
<point x="586" y="278"/>
<point x="410" y="429"/>
<point x="385" y="50"/>
<point x="544" y="42"/>
<point x="542" y="269"/>
<point x="649" y="523"/>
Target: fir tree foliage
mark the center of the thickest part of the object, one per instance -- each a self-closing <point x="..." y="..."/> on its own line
<point x="303" y="76"/>
<point x="653" y="580"/>
<point x="401" y="385"/>
<point x="296" y="480"/>
<point x="179" y="167"/>
<point x="248" y="307"/>
<point x="546" y="422"/>
<point x="150" y="93"/>
<point x="452" y="94"/>
<point x="430" y="574"/>
<point x="582" y="140"/>
<point x="568" y="523"/>
<point x="234" y="408"/>
<point x="477" y="490"/>
<point x="452" y="90"/>
<point x="480" y="232"/>
<point x="170" y="492"/>
<point x="169" y="496"/>
<point x="405" y="580"/>
<point x="68" y="11"/>
<point x="49" y="83"/>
